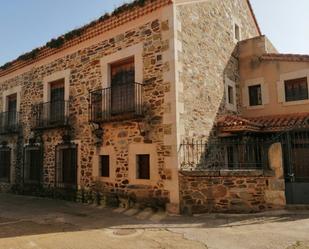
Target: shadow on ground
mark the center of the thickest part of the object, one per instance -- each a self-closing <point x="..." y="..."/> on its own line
<point x="21" y="216"/>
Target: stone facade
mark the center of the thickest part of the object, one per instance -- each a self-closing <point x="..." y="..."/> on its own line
<point x="85" y="74"/>
<point x="235" y="192"/>
<point x="208" y="56"/>
<point x="184" y="53"/>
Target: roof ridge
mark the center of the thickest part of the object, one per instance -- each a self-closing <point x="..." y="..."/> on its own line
<point x="124" y="13"/>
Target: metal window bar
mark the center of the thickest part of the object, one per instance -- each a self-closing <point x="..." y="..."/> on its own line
<point x="224" y="153"/>
<point x="51" y="114"/>
<point x="5" y="164"/>
<point x="108" y="103"/>
<point x="9" y="122"/>
<point x="33" y="161"/>
<point x="66" y="166"/>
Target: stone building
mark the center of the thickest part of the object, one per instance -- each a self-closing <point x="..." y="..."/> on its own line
<point x="104" y="113"/>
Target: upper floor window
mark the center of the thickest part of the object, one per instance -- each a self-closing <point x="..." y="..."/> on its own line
<point x="122" y="86"/>
<point x="57" y="91"/>
<point x="230" y="92"/>
<point x="255" y="95"/>
<point x="123" y="72"/>
<point x="296" y="89"/>
<point x="12" y="103"/>
<point x="230" y="95"/>
<point x="236" y="32"/>
<point x="11" y="109"/>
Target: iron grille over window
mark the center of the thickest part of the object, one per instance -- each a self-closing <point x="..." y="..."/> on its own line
<point x="255" y="95"/>
<point x="225" y="153"/>
<point x="5" y="164"/>
<point x="296" y="89"/>
<point x="66" y="166"/>
<point x="143" y="166"/>
<point x="116" y="102"/>
<point x="9" y="122"/>
<point x="50" y="114"/>
<point x="123" y="99"/>
<point x="33" y="159"/>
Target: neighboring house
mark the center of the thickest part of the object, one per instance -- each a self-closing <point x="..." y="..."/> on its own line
<point x="108" y="112"/>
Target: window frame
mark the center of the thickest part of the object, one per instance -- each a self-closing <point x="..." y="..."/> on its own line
<point x="281" y="87"/>
<point x="259" y="97"/>
<point x="8" y="179"/>
<point x="296" y="81"/>
<point x="139" y="175"/>
<point x="236" y="23"/>
<point x="231" y="84"/>
<point x="101" y="168"/>
<point x="142" y="148"/>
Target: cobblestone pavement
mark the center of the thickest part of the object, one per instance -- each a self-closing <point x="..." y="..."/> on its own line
<point x="34" y="223"/>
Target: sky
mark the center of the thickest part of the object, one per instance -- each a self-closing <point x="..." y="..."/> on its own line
<point x="285" y="23"/>
<point x="27" y="24"/>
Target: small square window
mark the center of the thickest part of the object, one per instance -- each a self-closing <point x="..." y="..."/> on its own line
<point x="237" y="32"/>
<point x="255" y="95"/>
<point x="143" y="166"/>
<point x="296" y="89"/>
<point x="104" y="160"/>
<point x="230" y="91"/>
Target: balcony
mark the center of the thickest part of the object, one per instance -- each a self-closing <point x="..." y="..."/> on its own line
<point x="116" y="103"/>
<point x="9" y="122"/>
<point x="50" y="115"/>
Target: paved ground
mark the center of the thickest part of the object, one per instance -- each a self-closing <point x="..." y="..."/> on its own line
<point x="34" y="223"/>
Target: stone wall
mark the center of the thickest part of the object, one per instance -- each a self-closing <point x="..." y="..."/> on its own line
<point x="207" y="55"/>
<point x="229" y="191"/>
<point x="85" y="75"/>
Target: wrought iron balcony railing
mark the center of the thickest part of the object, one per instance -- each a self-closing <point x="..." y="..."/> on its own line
<point x="50" y="115"/>
<point x="9" y="122"/>
<point x="116" y="103"/>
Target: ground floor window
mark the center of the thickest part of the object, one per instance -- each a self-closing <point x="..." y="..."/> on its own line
<point x="5" y="164"/>
<point x="32" y="164"/>
<point x="105" y="166"/>
<point x="143" y="166"/>
<point x="66" y="165"/>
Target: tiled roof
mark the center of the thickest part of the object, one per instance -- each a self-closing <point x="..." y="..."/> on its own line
<point x="286" y="57"/>
<point x="120" y="16"/>
<point x="273" y="123"/>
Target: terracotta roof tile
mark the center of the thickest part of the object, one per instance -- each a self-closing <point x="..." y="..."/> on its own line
<point x="263" y="124"/>
<point x="89" y="31"/>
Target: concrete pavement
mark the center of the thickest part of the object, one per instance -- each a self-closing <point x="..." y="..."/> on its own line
<point x="29" y="222"/>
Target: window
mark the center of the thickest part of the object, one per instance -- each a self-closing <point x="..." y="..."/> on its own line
<point x="230" y="91"/>
<point x="237" y="32"/>
<point x="123" y="72"/>
<point x="11" y="109"/>
<point x="57" y="105"/>
<point x="296" y="89"/>
<point x="5" y="164"/>
<point x="32" y="165"/>
<point x="143" y="166"/>
<point x="104" y="162"/>
<point x="122" y="86"/>
<point x="57" y="91"/>
<point x="66" y="174"/>
<point x="255" y="95"/>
